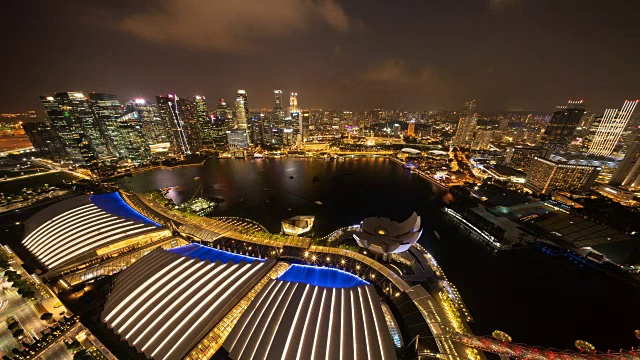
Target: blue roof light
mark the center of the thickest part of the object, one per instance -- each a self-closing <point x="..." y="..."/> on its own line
<point x="321" y="276"/>
<point x="201" y="252"/>
<point x="114" y="204"/>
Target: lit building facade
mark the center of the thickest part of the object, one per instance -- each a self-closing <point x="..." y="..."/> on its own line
<point x="628" y="171"/>
<point x="521" y="157"/>
<point x="411" y="131"/>
<point x="237" y="139"/>
<point x="179" y="115"/>
<point x="76" y="128"/>
<point x="107" y="110"/>
<point x="466" y="124"/>
<point x="154" y="128"/>
<point x="563" y="124"/>
<point x="133" y="145"/>
<point x="611" y="127"/>
<point x="204" y="121"/>
<point x="44" y="139"/>
<point x="546" y="175"/>
<point x="242" y="110"/>
<point x="278" y="107"/>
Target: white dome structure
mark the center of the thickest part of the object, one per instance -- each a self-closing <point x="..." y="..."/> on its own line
<point x="385" y="236"/>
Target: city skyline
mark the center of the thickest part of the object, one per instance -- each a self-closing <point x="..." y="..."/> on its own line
<point x="496" y="52"/>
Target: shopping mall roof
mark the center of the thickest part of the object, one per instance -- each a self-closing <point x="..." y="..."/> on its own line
<point x="79" y="228"/>
<point x="167" y="301"/>
<point x="170" y="302"/>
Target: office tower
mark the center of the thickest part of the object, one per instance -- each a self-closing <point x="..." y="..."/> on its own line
<point x="546" y="175"/>
<point x="237" y="139"/>
<point x="153" y="127"/>
<point x="628" y="171"/>
<point x="44" y="139"/>
<point x="305" y="122"/>
<point x="562" y="126"/>
<point x="133" y="143"/>
<point x="608" y="132"/>
<point x="503" y="123"/>
<point x="242" y="110"/>
<point x="521" y="157"/>
<point x="187" y="111"/>
<point x="411" y="131"/>
<point x="293" y="103"/>
<point x="483" y="139"/>
<point x="107" y="110"/>
<point x="76" y="128"/>
<point x="278" y="108"/>
<point x="466" y="124"/>
<point x="204" y="121"/>
<point x="223" y="111"/>
<point x="169" y="113"/>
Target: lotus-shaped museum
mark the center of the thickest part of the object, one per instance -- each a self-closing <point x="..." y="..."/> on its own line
<point x="385" y="236"/>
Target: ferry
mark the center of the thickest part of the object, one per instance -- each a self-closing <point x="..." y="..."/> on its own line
<point x="257" y="156"/>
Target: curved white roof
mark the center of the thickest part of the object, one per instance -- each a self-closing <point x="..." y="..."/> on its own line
<point x="411" y="151"/>
<point x="387" y="236"/>
<point x="294" y="320"/>
<point x="167" y="301"/>
<point x="74" y="229"/>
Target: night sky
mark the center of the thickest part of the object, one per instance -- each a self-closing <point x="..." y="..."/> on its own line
<point x="357" y="54"/>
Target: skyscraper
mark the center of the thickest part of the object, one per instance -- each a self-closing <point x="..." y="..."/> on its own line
<point x="411" y="131"/>
<point x="607" y="133"/>
<point x="278" y="108"/>
<point x="153" y="127"/>
<point x="293" y="103"/>
<point x="562" y="126"/>
<point x="107" y="110"/>
<point x="133" y="143"/>
<point x="466" y="125"/>
<point x="44" y="139"/>
<point x="628" y="171"/>
<point x="223" y="111"/>
<point x="546" y="175"/>
<point x="168" y="108"/>
<point x="242" y="110"/>
<point x="76" y="128"/>
<point x="204" y="121"/>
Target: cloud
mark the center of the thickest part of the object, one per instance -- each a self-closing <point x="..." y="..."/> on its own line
<point x="394" y="70"/>
<point x="503" y="5"/>
<point x="232" y="26"/>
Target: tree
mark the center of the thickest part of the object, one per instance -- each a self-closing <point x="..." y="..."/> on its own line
<point x="46" y="317"/>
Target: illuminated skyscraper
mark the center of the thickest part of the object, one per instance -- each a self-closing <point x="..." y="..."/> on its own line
<point x="204" y="122"/>
<point x="237" y="139"/>
<point x="562" y="126"/>
<point x="411" y="131"/>
<point x="44" y="139"/>
<point x="628" y="171"/>
<point x="278" y="108"/>
<point x="241" y="113"/>
<point x="172" y="117"/>
<point x="133" y="143"/>
<point x="293" y="103"/>
<point x="546" y="175"/>
<point x="607" y="133"/>
<point x="223" y="111"/>
<point x="76" y="128"/>
<point x="466" y="125"/>
<point x="153" y="127"/>
<point x="107" y="110"/>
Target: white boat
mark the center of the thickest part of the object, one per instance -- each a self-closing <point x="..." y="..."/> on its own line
<point x="257" y="156"/>
<point x="436" y="234"/>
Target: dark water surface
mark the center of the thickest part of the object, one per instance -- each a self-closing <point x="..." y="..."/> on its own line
<point x="537" y="298"/>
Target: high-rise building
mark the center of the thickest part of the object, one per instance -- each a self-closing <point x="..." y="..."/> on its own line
<point x="483" y="140"/>
<point x="171" y="116"/>
<point x="107" y="110"/>
<point x="187" y="111"/>
<point x="305" y="121"/>
<point x="204" y="121"/>
<point x="153" y="127"/>
<point x="293" y="103"/>
<point x="133" y="142"/>
<point x="521" y="157"/>
<point x="411" y="131"/>
<point x="223" y="111"/>
<point x="44" y="139"/>
<point x="546" y="175"/>
<point x="466" y="124"/>
<point x="76" y="128"/>
<point x="237" y="139"/>
<point x="242" y="110"/>
<point x="278" y="107"/>
<point x="562" y="126"/>
<point x="628" y="171"/>
<point x="608" y="131"/>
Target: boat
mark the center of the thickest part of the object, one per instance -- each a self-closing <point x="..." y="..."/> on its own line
<point x="318" y="203"/>
<point x="257" y="156"/>
<point x="196" y="178"/>
<point x="436" y="234"/>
